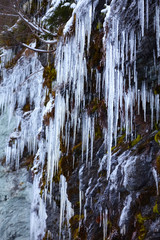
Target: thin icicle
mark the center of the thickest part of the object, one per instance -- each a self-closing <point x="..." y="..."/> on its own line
<point x="144" y="99"/>
<point x="156" y="179"/>
<point x="147" y="14"/>
<point x="66" y="211"/>
<point x="158" y="30"/>
<point x="105" y="222"/>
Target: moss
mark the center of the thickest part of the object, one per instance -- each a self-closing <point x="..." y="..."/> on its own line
<point x="93" y="106"/>
<point x="121" y="139"/>
<point x="99" y="25"/>
<point x="109" y="225"/>
<point x="141" y="228"/>
<point x="66" y="165"/>
<point x="43" y="179"/>
<point x="77" y="149"/>
<point x="27" y="160"/>
<point x="47" y="116"/>
<point x="96" y="50"/>
<point x="135" y="141"/>
<point x="98" y="132"/>
<point x="26" y="107"/>
<point x="157" y="90"/>
<point x="157" y="137"/>
<point x="155" y="209"/>
<point x="74" y="223"/>
<point x="121" y="144"/>
<point x="49" y="75"/>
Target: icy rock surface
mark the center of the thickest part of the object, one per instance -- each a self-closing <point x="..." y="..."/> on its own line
<point x="15" y="204"/>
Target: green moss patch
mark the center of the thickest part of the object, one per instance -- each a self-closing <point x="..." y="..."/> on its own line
<point x="135" y="141"/>
<point x="157" y="137"/>
<point x="49" y="75"/>
<point x="141" y="227"/>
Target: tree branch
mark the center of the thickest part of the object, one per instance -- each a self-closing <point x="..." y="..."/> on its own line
<point x="34" y="26"/>
<point x="36" y="49"/>
<point x="8" y="14"/>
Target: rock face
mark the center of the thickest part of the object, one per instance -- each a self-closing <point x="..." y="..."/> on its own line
<point x="88" y="126"/>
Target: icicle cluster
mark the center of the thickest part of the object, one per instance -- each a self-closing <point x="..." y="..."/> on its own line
<point x="121" y="73"/>
<point x="22" y="85"/>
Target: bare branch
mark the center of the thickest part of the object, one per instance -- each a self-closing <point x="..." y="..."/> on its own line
<point x="14" y="7"/>
<point x="8" y="14"/>
<point x="34" y="26"/>
<point x="36" y="49"/>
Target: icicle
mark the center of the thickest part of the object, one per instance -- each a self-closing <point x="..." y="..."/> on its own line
<point x="158" y="30"/>
<point x="157" y="107"/>
<point x="65" y="205"/>
<point x="156" y="179"/>
<point x="124" y="214"/>
<point x="127" y="103"/>
<point x="143" y="96"/>
<point x="98" y="83"/>
<point x="116" y="106"/>
<point x="87" y="136"/>
<point x="147" y="14"/>
<point x="152" y="107"/>
<point x="110" y="76"/>
<point x="92" y="134"/>
<point x="131" y="112"/>
<point x="38" y="213"/>
<point x="105" y="222"/>
<point x="141" y="14"/>
<point x="139" y="94"/>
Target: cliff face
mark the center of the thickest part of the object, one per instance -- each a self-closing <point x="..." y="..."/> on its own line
<point x="88" y="121"/>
